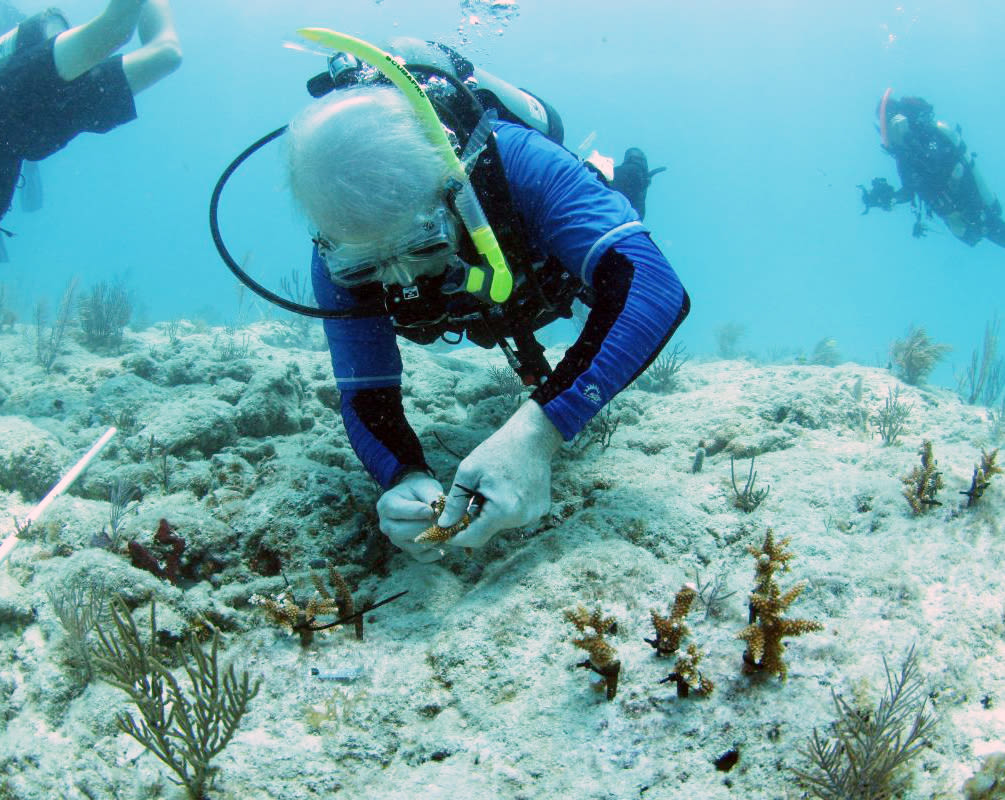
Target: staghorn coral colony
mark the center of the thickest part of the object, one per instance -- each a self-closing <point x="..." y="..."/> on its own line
<point x="922" y="485"/>
<point x="767" y="626"/>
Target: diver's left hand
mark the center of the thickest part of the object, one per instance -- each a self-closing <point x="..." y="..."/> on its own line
<point x="510" y="476"/>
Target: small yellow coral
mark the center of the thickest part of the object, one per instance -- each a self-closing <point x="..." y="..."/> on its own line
<point x="687" y="676"/>
<point x="434" y="534"/>
<point x="284" y="609"/>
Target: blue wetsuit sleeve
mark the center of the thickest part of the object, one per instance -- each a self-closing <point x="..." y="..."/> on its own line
<point x="566" y="211"/>
<point x="639" y="304"/>
<point x="367" y="367"/>
<point x="594" y="232"/>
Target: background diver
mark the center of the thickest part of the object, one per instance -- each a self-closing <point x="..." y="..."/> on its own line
<point x="938" y="176"/>
<point x="57" y="81"/>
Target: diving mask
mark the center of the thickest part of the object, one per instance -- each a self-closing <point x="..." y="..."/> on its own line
<point x="424" y="252"/>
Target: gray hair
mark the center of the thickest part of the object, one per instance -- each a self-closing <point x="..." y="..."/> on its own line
<point x="361" y="166"/>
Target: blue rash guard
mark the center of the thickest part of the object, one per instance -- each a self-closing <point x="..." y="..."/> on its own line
<point x="569" y="215"/>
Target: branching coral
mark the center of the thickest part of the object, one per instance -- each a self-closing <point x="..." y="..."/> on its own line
<point x="602" y="654"/>
<point x="767" y="627"/>
<point x="981" y="480"/>
<point x="923" y="483"/>
<point x="286" y="611"/>
<point x="670" y="631"/>
<point x="687" y="676"/>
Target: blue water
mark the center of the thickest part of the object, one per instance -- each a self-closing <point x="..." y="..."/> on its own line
<point x="763" y="113"/>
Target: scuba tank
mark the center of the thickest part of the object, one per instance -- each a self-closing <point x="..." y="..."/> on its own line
<point x="518" y="105"/>
<point x="32" y="32"/>
<point x="511" y="103"/>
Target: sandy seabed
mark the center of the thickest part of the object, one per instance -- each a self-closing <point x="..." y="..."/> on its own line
<point x="468" y="685"/>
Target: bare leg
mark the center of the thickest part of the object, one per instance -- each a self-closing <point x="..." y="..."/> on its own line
<point x="160" y="53"/>
<point x="77" y="50"/>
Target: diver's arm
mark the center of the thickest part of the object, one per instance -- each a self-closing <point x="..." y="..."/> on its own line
<point x="380" y="434"/>
<point x="592" y="230"/>
<point x="367" y="368"/>
<point x="640" y="302"/>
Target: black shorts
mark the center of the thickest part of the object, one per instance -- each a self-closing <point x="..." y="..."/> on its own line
<point x="40" y="112"/>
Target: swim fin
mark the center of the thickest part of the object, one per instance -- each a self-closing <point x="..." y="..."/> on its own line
<point x="632" y="178"/>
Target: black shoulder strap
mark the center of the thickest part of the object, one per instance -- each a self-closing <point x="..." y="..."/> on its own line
<point x="489" y="181"/>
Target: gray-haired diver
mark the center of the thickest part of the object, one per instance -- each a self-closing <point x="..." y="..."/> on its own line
<point x="396" y="256"/>
<point x="938" y="176"/>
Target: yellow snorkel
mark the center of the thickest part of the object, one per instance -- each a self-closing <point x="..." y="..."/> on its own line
<point x="496" y="286"/>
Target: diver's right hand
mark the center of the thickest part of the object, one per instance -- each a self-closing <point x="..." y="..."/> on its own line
<point x="406" y="510"/>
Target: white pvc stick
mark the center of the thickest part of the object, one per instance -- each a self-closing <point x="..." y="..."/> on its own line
<point x="12" y="541"/>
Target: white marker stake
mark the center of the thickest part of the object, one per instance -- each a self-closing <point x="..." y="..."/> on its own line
<point x="11" y="541"/>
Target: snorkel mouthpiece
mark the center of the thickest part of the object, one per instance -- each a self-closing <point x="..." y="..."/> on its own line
<point x="496" y="282"/>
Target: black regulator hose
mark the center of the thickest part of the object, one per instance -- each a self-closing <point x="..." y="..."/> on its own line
<point x="244" y="277"/>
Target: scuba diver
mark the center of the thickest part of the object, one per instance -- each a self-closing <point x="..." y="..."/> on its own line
<point x="880" y="195"/>
<point x="57" y="81"/>
<point x="443" y="205"/>
<point x="938" y="176"/>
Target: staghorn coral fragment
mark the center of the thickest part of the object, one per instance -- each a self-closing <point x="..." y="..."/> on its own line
<point x="343" y="596"/>
<point x="770" y="556"/>
<point x="602" y="654"/>
<point x="767" y="626"/>
<point x="671" y="630"/>
<point x="287" y="612"/>
<point x="687" y="676"/>
<point x="981" y="479"/>
<point x="923" y="483"/>
<point x="434" y="534"/>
